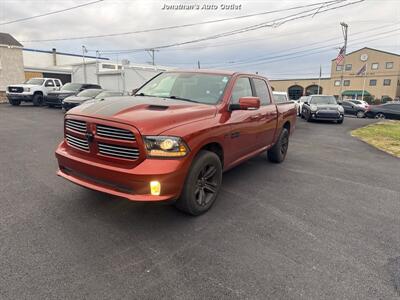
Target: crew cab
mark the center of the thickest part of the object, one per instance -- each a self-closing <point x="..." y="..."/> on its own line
<point x="175" y="137"/>
<point x="33" y="90"/>
<point x="322" y="107"/>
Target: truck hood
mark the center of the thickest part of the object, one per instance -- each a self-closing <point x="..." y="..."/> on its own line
<point x="23" y="85"/>
<point x="150" y="115"/>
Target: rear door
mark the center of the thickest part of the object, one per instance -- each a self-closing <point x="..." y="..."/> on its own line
<point x="267" y="114"/>
<point x="243" y="123"/>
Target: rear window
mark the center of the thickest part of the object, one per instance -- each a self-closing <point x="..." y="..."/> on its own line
<point x="280" y="98"/>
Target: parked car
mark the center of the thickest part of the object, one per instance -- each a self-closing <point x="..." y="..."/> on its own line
<point x="33" y="90"/>
<point x="353" y="109"/>
<point x="322" y="107"/>
<point x="360" y="103"/>
<point x="69" y="89"/>
<point x="280" y="97"/>
<point x="86" y="95"/>
<point x="389" y="110"/>
<point x="299" y="104"/>
<point x="175" y="137"/>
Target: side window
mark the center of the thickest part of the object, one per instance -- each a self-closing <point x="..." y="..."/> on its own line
<point x="49" y="83"/>
<point x="262" y="91"/>
<point x="346" y="104"/>
<point x="58" y="83"/>
<point x="242" y="88"/>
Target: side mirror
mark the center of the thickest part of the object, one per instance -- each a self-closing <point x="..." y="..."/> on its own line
<point x="246" y="103"/>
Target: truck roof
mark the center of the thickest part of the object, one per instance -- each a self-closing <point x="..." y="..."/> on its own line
<point x="213" y="71"/>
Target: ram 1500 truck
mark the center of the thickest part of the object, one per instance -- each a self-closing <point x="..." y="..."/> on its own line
<point x="175" y="137"/>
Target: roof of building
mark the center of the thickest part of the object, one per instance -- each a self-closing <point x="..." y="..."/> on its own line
<point x="8" y="40"/>
<point x="63" y="53"/>
<point x="372" y="49"/>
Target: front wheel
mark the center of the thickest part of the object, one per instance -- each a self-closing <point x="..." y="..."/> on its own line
<point x="278" y="152"/>
<point x="339" y="121"/>
<point x="202" y="184"/>
<point x="37" y="100"/>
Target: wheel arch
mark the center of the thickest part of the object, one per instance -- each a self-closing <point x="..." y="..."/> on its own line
<point x="216" y="148"/>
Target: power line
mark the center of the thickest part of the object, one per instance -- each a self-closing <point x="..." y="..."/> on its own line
<point x="271" y="23"/>
<point x="51" y="13"/>
<point x="183" y="25"/>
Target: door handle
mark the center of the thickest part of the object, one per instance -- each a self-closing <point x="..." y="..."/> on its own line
<point x="255" y="117"/>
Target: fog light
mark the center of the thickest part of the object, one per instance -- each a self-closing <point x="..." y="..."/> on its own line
<point x="155" y="188"/>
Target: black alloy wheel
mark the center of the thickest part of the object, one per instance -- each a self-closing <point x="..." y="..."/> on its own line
<point x="202" y="184"/>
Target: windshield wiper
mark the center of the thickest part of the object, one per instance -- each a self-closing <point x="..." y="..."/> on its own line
<point x="143" y="94"/>
<point x="180" y="98"/>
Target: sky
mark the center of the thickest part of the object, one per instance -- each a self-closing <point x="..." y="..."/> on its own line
<point x="295" y="49"/>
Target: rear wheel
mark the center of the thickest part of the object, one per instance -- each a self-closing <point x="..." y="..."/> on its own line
<point x="380" y="116"/>
<point x="37" y="100"/>
<point x="15" y="102"/>
<point x="278" y="152"/>
<point x="360" y="114"/>
<point x="202" y="184"/>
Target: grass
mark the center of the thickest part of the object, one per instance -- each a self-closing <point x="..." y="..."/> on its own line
<point x="383" y="135"/>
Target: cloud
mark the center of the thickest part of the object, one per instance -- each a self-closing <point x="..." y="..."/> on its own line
<point x="113" y="16"/>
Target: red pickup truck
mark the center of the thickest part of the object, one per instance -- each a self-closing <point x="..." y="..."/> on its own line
<point x="175" y="137"/>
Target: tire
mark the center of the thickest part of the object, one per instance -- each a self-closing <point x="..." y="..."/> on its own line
<point x="380" y="116"/>
<point x="38" y="100"/>
<point x="50" y="105"/>
<point x="360" y="114"/>
<point x="308" y="118"/>
<point x="339" y="121"/>
<point x="14" y="102"/>
<point x="277" y="153"/>
<point x="202" y="184"/>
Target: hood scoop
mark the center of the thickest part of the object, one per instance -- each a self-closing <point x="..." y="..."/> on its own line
<point x="157" y="107"/>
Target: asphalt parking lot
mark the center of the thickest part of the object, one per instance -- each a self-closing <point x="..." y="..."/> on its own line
<point x="325" y="224"/>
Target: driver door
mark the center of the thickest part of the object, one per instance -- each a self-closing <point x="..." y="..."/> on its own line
<point x="243" y="123"/>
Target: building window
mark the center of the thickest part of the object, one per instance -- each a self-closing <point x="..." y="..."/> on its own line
<point x="386" y="82"/>
<point x="348" y="67"/>
<point x="389" y="65"/>
<point x="337" y="82"/>
<point x="375" y="66"/>
<point x="339" y="67"/>
<point x="372" y="82"/>
<point x="346" y="82"/>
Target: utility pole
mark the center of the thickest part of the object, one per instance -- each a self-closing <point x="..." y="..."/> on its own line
<point x="344" y="31"/>
<point x="198" y="64"/>
<point x="97" y="66"/>
<point x="151" y="52"/>
<point x="84" y="50"/>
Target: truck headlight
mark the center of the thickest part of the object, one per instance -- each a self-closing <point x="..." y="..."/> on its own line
<point x="27" y="89"/>
<point x="165" y="146"/>
<point x="313" y="108"/>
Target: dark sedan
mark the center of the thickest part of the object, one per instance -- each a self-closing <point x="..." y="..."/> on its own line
<point x="55" y="98"/>
<point x="86" y="95"/>
<point x="390" y="110"/>
<point x="351" y="108"/>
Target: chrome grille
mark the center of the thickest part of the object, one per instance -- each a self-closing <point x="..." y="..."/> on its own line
<point x="114" y="133"/>
<point x="79" y="143"/>
<point x="76" y="125"/>
<point x="118" y="151"/>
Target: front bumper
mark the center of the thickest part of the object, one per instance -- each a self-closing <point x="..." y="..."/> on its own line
<point x="68" y="105"/>
<point x="327" y="115"/>
<point x="129" y="183"/>
<point x="19" y="96"/>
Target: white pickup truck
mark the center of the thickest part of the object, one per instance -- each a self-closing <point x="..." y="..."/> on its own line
<point x="33" y="90"/>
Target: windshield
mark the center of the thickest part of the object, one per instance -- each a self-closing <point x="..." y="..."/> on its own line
<point x="35" y="81"/>
<point x="323" y="100"/>
<point x="195" y="87"/>
<point x="279" y="98"/>
<point x="108" y="94"/>
<point x="73" y="87"/>
<point x="89" y="93"/>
